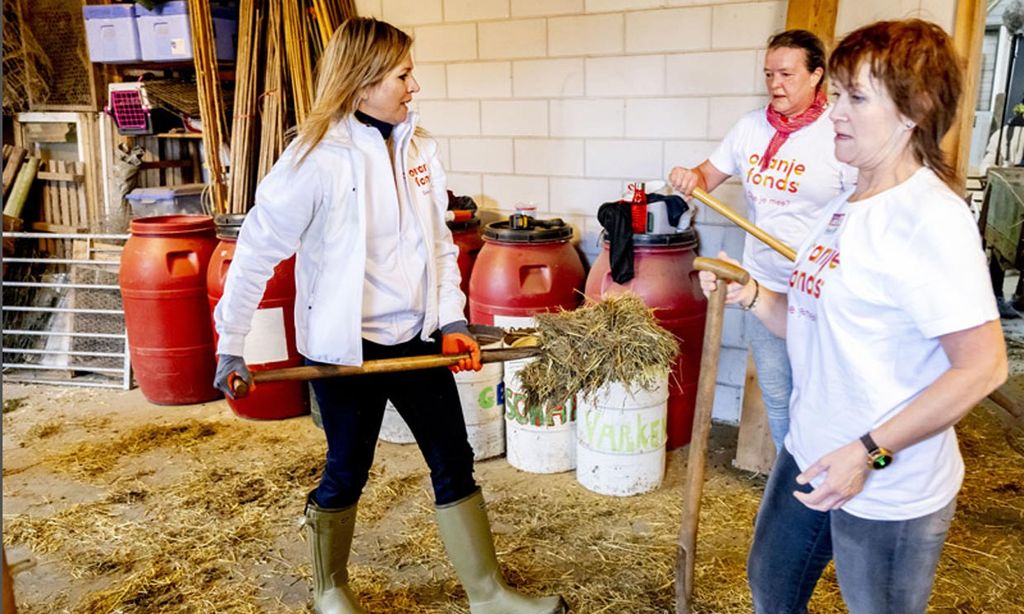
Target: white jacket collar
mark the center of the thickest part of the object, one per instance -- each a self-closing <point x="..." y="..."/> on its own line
<point x="340" y="132"/>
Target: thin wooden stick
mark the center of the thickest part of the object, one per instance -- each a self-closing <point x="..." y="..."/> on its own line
<point x="744" y="223"/>
<point x="211" y="104"/>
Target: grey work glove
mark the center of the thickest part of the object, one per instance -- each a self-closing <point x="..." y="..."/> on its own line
<point x="226" y="365"/>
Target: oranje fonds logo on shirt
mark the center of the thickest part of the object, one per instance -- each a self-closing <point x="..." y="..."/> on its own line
<point x="810" y="283"/>
<point x="778" y="174"/>
<point x="420" y="175"/>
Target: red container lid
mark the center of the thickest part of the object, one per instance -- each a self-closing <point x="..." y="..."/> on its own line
<point x="163" y="225"/>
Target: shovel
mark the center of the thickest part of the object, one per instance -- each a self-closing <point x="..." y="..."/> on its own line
<point x="687" y="543"/>
<point x="241" y="388"/>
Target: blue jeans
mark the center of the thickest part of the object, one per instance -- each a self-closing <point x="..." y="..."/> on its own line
<point x="352" y="409"/>
<point x="883" y="567"/>
<point x="774" y="376"/>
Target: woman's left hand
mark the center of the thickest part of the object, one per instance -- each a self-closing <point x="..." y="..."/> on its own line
<point x="846" y="469"/>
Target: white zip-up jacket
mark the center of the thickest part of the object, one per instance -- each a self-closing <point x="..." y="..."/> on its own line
<point x="317" y="210"/>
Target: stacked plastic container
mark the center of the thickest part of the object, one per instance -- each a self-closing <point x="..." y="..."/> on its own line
<point x="125" y="33"/>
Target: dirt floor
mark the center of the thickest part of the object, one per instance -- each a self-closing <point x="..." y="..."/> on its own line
<point x="122" y="506"/>
<point x="114" y="505"/>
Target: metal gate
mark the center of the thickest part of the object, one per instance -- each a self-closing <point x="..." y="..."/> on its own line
<point x="63" y="319"/>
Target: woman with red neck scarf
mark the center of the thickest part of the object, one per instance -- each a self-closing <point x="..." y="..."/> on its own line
<point x="784" y="157"/>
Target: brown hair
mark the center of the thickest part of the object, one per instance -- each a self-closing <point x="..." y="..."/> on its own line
<point x="814" y="49"/>
<point x="916" y="62"/>
<point x="360" y="54"/>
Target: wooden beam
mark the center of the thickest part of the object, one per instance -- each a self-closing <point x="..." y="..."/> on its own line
<point x="817" y="16"/>
<point x="755" y="450"/>
<point x="968" y="33"/>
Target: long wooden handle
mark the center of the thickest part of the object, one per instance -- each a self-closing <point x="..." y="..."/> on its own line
<point x="744" y="223"/>
<point x="686" y="546"/>
<point x="722" y="269"/>
<point x="389" y="365"/>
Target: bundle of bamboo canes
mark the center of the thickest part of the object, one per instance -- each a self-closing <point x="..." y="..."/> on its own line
<point x="211" y="107"/>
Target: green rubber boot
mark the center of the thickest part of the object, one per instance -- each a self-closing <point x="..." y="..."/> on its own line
<point x="467" y="537"/>
<point x="329" y="532"/>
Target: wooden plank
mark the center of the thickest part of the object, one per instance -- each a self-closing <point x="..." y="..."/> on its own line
<point x="74" y="177"/>
<point x="63" y="206"/>
<point x="968" y="33"/>
<point x="93" y="170"/>
<point x="69" y="196"/>
<point x="57" y="228"/>
<point x="13" y="163"/>
<point x="755" y="450"/>
<point x="817" y="16"/>
<point x="83" y="209"/>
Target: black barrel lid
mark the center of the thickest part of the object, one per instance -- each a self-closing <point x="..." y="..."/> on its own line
<point x="228" y="225"/>
<point x="536" y="231"/>
<point x="686" y="238"/>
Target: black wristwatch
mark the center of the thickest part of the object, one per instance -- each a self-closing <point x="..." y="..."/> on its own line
<point x="878" y="457"/>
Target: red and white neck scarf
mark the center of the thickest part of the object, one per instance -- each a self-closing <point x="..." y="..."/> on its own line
<point x="785" y="126"/>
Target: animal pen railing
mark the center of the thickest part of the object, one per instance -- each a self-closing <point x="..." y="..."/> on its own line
<point x="63" y="320"/>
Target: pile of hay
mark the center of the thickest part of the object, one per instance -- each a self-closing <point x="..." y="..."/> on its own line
<point x="616" y="340"/>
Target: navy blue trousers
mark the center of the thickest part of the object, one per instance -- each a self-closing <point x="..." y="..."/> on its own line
<point x="352" y="409"/>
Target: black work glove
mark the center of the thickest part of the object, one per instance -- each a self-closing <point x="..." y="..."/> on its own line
<point x="226" y="365"/>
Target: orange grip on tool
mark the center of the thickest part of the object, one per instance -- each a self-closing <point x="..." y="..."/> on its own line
<point x="239" y="387"/>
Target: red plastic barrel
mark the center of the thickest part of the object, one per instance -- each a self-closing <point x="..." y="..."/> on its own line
<point x="523" y="271"/>
<point x="665" y="279"/>
<point x="271" y="342"/>
<point x="466" y="235"/>
<point x="163" y="286"/>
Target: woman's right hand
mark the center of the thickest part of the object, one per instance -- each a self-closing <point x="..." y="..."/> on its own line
<point x="735" y="293"/>
<point x="684" y="180"/>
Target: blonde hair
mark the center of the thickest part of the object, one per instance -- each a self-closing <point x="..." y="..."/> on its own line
<point x="361" y="53"/>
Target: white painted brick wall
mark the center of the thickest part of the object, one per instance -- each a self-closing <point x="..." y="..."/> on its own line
<point x="661" y="118"/>
<point x="451" y="117"/>
<point x="475" y="10"/>
<point x="621" y="158"/>
<point x="412" y="12"/>
<point x="589" y="117"/>
<point x="481" y="155"/>
<point x="668" y="30"/>
<point x="563" y="102"/>
<point x="508" y="190"/>
<point x="515" y="117"/>
<point x="523" y="38"/>
<point x="480" y="80"/>
<point x="538" y="8"/>
<point x="547" y="78"/>
<point x="549" y="157"/>
<point x="745" y="26"/>
<point x="590" y="35"/>
<point x="369" y="8"/>
<point x="445" y="43"/>
<point x="642" y="75"/>
<point x="718" y="72"/>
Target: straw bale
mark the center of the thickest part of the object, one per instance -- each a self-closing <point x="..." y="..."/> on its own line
<point x="615" y="340"/>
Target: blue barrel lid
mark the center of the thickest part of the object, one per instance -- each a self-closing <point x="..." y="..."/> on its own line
<point x="108" y="11"/>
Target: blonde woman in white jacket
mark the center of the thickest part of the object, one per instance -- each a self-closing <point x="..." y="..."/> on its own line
<point x="360" y="197"/>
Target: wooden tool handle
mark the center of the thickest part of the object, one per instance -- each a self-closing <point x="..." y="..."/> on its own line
<point x="744" y="223"/>
<point x="388" y="365"/>
<point x="722" y="269"/>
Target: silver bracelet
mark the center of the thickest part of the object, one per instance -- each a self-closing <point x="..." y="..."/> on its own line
<point x="757" y="295"/>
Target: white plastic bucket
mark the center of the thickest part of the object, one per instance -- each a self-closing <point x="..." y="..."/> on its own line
<point x="394" y="429"/>
<point x="482" y="396"/>
<point x="539" y="439"/>
<point x="622" y="433"/>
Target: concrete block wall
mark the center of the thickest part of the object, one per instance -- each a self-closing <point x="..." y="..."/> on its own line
<point x="562" y="103"/>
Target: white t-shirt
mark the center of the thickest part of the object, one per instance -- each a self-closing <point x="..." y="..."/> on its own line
<point x="875" y="285"/>
<point x="786" y="199"/>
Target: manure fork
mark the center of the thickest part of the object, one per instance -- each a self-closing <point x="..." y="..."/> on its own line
<point x="687" y="542"/>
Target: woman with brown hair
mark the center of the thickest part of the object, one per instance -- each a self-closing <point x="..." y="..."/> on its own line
<point x="782" y="155"/>
<point x="893" y="334"/>
<point x="360" y="198"/>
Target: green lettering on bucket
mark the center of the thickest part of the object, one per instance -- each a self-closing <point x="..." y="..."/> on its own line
<point x="634" y="436"/>
<point x="486" y="398"/>
<point x="516" y="410"/>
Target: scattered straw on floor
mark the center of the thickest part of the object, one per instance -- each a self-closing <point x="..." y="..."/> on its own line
<point x="615" y="340"/>
<point x="221" y="534"/>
